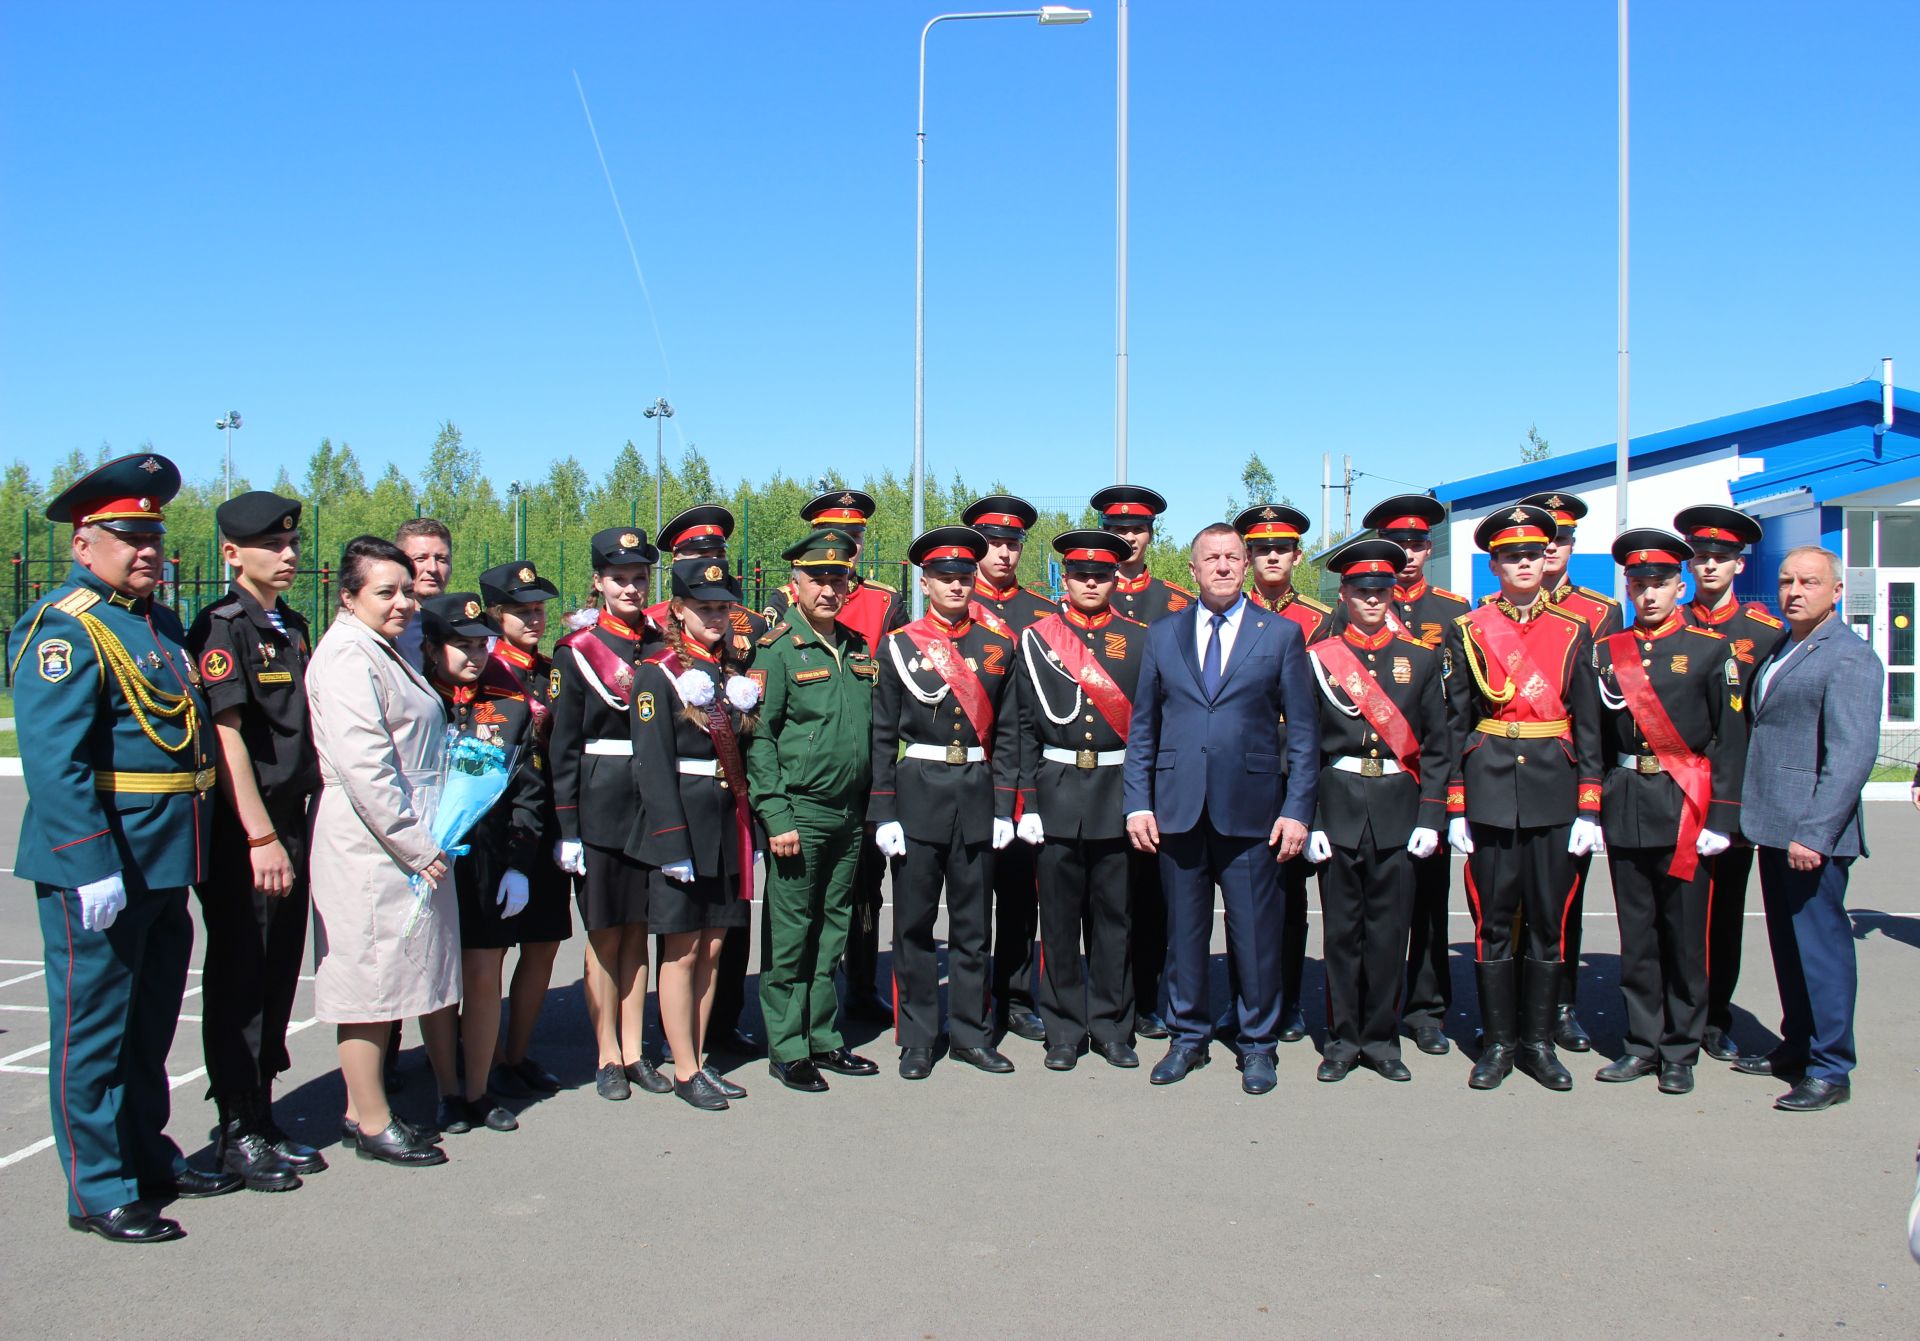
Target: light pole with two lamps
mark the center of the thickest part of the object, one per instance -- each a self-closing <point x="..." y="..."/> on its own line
<point x="231" y="422"/>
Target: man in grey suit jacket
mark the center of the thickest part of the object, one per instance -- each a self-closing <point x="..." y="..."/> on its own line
<point x="1816" y="724"/>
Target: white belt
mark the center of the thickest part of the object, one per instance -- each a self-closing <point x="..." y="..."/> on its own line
<point x="1083" y="758"/>
<point x="1373" y="768"/>
<point x="948" y="754"/>
<point x="621" y="747"/>
<point x="705" y="768"/>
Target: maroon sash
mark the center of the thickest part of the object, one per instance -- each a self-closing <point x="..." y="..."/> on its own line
<point x="726" y="748"/>
<point x="613" y="673"/>
<point x="945" y="658"/>
<point x="1106" y="696"/>
<point x="1693" y="773"/>
<point x="1367" y="695"/>
<point x="982" y="613"/>
<point x="501" y="677"/>
<point x="1529" y="681"/>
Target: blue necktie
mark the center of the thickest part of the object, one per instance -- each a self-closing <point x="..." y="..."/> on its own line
<point x="1210" y="667"/>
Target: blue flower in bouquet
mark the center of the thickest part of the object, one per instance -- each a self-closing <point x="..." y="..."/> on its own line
<point x="475" y="773"/>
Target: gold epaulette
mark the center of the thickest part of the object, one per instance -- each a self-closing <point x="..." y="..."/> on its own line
<point x="77" y="602"/>
<point x="1449" y="595"/>
<point x="1760" y="615"/>
<point x="1404" y="638"/>
<point x="878" y="585"/>
<point x="1599" y="596"/>
<point x="1175" y="586"/>
<point x="1694" y="628"/>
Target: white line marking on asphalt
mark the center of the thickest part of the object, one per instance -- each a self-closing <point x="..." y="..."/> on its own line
<point x="23" y="1070"/>
<point x="24" y="977"/>
<point x="18" y="1155"/>
<point x="22" y="962"/>
<point x="38" y="1010"/>
<point x="34" y="1051"/>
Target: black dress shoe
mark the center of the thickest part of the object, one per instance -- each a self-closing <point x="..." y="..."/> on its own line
<point x="1811" y="1095"/>
<point x="870" y="1007"/>
<point x="700" y="1092"/>
<point x="1569" y="1033"/>
<point x="985" y="1058"/>
<point x="1332" y="1069"/>
<point x="300" y="1157"/>
<point x="610" y="1082"/>
<point x="916" y="1063"/>
<point x="399" y="1144"/>
<point x="1293" y="1023"/>
<point x="1763" y="1064"/>
<point x="1392" y="1068"/>
<point x="1150" y="1026"/>
<point x="1024" y="1022"/>
<point x="190" y="1183"/>
<point x="1257" y="1073"/>
<point x="1719" y="1045"/>
<point x="1629" y="1067"/>
<point x="453" y="1117"/>
<point x="244" y="1149"/>
<point x="728" y="1090"/>
<point x="1676" y="1078"/>
<point x="134" y="1223"/>
<point x="1118" y="1054"/>
<point x="1178" y="1064"/>
<point x="845" y="1062"/>
<point x="646" y="1076"/>
<point x="529" y="1076"/>
<point x="489" y="1112"/>
<point x="1431" y="1039"/>
<point x="1062" y="1057"/>
<point x="800" y="1074"/>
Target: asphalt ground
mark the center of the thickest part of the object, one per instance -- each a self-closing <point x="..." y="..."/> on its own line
<point x="1039" y="1204"/>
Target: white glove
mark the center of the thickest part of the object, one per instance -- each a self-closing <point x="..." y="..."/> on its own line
<point x="1460" y="835"/>
<point x="1318" y="848"/>
<point x="570" y="855"/>
<point x="101" y="902"/>
<point x="679" y="870"/>
<point x="1586" y="837"/>
<point x="1423" y="843"/>
<point x="1711" y="844"/>
<point x="1030" y="829"/>
<point x="512" y="895"/>
<point x="1002" y="832"/>
<point x="891" y="839"/>
<point x="758" y="856"/>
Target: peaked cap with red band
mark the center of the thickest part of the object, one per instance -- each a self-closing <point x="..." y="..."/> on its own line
<point x="126" y="494"/>
<point x="1001" y="516"/>
<point x="1405" y="516"/>
<point x="840" y="507"/>
<point x="1716" y="530"/>
<point x="1648" y="551"/>
<point x="1369" y="563"/>
<point x="948" y="549"/>
<point x="703" y="530"/>
<point x="1127" y="505"/>
<point x="1501" y="530"/>
<point x="1567" y="509"/>
<point x="1271" y="522"/>
<point x="1091" y="551"/>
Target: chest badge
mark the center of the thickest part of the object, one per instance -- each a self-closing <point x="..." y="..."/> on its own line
<point x="1402" y="671"/>
<point x="1678" y="665"/>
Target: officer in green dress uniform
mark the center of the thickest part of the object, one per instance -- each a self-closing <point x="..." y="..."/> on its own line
<point x="809" y="767"/>
<point x="120" y="772"/>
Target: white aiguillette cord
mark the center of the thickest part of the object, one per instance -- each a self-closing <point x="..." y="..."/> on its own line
<point x="906" y="676"/>
<point x="1027" y="640"/>
<point x="1324" y="679"/>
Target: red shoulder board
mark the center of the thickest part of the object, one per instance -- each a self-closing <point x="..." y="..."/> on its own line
<point x="1759" y="614"/>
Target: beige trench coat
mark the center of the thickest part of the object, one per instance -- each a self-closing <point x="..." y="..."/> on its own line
<point x="375" y="723"/>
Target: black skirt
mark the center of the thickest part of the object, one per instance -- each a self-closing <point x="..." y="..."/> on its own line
<point x="614" y="892"/>
<point x="709" y="903"/>
<point x="476" y="878"/>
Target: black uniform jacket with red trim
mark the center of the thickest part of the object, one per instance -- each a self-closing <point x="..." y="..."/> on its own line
<point x="1390" y="806"/>
<point x="1751" y="630"/>
<point x="593" y="794"/>
<point x="935" y="801"/>
<point x="1016" y="607"/>
<point x="683" y="816"/>
<point x="1515" y="781"/>
<point x="1075" y="802"/>
<point x="1147" y="599"/>
<point x="1424" y="610"/>
<point x="1701" y="684"/>
<point x="1597" y="610"/>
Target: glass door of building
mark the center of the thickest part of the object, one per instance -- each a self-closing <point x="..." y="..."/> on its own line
<point x="1894" y="620"/>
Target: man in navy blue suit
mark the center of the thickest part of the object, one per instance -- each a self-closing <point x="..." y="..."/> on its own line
<point x="1208" y="789"/>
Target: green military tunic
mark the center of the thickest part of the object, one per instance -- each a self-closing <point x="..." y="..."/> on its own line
<point x="808" y="768"/>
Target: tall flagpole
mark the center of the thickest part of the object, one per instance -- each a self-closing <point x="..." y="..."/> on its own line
<point x="1120" y="263"/>
<point x="1620" y="427"/>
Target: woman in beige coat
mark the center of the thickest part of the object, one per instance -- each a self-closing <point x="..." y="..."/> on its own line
<point x="379" y="731"/>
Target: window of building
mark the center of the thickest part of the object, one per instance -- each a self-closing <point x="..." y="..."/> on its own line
<point x="1899" y="540"/>
<point x="1859" y="538"/>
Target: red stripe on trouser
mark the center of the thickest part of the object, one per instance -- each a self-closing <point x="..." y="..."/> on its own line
<point x="1566" y="908"/>
<point x="66" y="1047"/>
<point x="893" y="977"/>
<point x="1473" y="899"/>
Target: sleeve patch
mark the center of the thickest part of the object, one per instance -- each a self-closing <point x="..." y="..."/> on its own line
<point x="643" y="705"/>
<point x="553" y="682"/>
<point x="56" y="660"/>
<point x="215" y="665"/>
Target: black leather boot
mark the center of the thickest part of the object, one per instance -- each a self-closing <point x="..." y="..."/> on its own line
<point x="1568" y="1032"/>
<point x="1499" y="1007"/>
<point x="243" y="1148"/>
<point x="1539" y="1013"/>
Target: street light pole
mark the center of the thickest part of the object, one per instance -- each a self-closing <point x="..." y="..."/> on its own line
<point x="1120" y="260"/>
<point x="231" y="422"/>
<point x="659" y="412"/>
<point x="1049" y="16"/>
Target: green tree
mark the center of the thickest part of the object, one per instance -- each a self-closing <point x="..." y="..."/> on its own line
<point x="1535" y="448"/>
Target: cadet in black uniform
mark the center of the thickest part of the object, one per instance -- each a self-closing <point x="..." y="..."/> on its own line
<point x="692" y="706"/>
<point x="944" y="803"/>
<point x="1423" y="612"/>
<point x="595" y="801"/>
<point x="1078" y="670"/>
<point x="1385" y="756"/>
<point x="1676" y="743"/>
<point x="252" y="648"/>
<point x="1719" y="537"/>
<point x="516" y="597"/>
<point x="490" y="881"/>
<point x="1127" y="510"/>
<point x="1006" y="607"/>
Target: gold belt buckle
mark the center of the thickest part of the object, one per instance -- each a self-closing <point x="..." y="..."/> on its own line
<point x="1371" y="768"/>
<point x="956" y="753"/>
<point x="203" y="780"/>
<point x="1513" y="730"/>
<point x="1647" y="763"/>
<point x="1085" y="759"/>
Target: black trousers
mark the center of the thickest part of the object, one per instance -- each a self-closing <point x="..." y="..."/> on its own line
<point x="1016" y="918"/>
<point x="1366" y="905"/>
<point x="1520" y="885"/>
<point x="1147" y="915"/>
<point x="1726" y="923"/>
<point x="862" y="958"/>
<point x="1576" y="917"/>
<point x="1083" y="896"/>
<point x="1429" y="997"/>
<point x="255" y="944"/>
<point x="1663" y="953"/>
<point x="966" y="872"/>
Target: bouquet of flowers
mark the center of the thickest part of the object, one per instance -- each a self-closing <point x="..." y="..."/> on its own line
<point x="472" y="777"/>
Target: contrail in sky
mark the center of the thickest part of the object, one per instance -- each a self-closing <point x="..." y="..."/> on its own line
<point x="632" y="255"/>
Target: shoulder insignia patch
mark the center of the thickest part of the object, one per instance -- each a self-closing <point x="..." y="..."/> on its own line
<point x="759" y="677"/>
<point x="877" y="586"/>
<point x="1449" y="595"/>
<point x="1599" y="596"/>
<point x="1312" y="604"/>
<point x="1759" y="615"/>
<point x="77" y="602"/>
<point x="1706" y="633"/>
<point x="1446" y="663"/>
<point x="56" y="660"/>
<point x="643" y="704"/>
<point x="771" y="636"/>
<point x="215" y="665"/>
<point x="553" y="682"/>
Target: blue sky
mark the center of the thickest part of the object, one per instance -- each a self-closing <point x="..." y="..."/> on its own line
<point x="1385" y="229"/>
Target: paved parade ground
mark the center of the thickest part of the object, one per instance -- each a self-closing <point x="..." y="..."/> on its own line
<point x="1037" y="1205"/>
